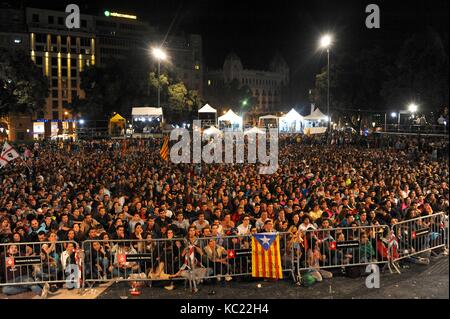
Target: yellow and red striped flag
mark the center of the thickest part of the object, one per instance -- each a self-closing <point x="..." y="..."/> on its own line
<point x="164" y="152"/>
<point x="266" y="257"/>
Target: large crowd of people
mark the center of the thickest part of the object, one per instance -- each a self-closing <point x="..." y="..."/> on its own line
<point x="111" y="190"/>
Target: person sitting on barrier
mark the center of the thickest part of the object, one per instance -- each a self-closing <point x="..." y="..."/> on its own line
<point x="314" y="258"/>
<point x="69" y="262"/>
<point x="216" y="259"/>
<point x="12" y="273"/>
<point x="192" y="268"/>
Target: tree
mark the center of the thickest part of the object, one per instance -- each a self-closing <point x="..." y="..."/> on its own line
<point x="420" y="73"/>
<point x="23" y="87"/>
<point x="177" y="96"/>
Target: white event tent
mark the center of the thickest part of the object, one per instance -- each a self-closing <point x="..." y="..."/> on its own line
<point x="146" y="113"/>
<point x="265" y="121"/>
<point x="208" y="115"/>
<point x="230" y="121"/>
<point x="292" y="122"/>
<point x="316" y="122"/>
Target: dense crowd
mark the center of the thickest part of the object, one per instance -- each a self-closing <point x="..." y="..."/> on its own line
<point x="112" y="190"/>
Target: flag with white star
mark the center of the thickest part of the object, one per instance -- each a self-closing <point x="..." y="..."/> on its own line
<point x="266" y="257"/>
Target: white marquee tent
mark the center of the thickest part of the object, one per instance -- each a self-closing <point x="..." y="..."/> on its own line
<point x="230" y="121"/>
<point x="144" y="114"/>
<point x="207" y="109"/>
<point x="316" y="115"/>
<point x="266" y="119"/>
<point x="292" y="122"/>
<point x="208" y="115"/>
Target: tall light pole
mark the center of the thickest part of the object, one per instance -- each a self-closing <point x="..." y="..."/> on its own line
<point x="159" y="55"/>
<point x="325" y="43"/>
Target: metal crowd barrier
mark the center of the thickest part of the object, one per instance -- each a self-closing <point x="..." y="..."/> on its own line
<point x="417" y="236"/>
<point x="174" y="259"/>
<point x="340" y="247"/>
<point x="31" y="263"/>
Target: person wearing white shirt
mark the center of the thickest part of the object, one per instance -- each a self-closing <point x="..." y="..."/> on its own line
<point x="245" y="227"/>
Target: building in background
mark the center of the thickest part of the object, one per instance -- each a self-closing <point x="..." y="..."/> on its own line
<point x="120" y="34"/>
<point x="64" y="53"/>
<point x="268" y="87"/>
<point x="186" y="57"/>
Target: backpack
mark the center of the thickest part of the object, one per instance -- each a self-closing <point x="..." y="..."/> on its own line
<point x="308" y="280"/>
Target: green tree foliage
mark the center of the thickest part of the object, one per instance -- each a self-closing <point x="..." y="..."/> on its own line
<point x="23" y="87"/>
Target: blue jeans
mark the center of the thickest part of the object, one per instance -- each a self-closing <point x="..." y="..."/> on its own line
<point x="14" y="290"/>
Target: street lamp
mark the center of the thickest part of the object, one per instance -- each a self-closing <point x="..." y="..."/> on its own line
<point x="325" y="43"/>
<point x="159" y="55"/>
<point x="412" y="107"/>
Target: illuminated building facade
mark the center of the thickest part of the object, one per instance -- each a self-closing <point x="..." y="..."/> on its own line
<point x="268" y="87"/>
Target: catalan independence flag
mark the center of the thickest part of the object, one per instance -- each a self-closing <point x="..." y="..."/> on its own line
<point x="164" y="152"/>
<point x="266" y="257"/>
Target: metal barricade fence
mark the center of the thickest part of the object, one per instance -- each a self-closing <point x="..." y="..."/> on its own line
<point x="32" y="263"/>
<point x="419" y="235"/>
<point x="339" y="247"/>
<point x="175" y="259"/>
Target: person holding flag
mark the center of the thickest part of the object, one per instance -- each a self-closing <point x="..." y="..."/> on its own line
<point x="8" y="154"/>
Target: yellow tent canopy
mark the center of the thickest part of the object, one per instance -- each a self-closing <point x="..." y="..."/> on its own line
<point x="117" y="118"/>
<point x="116" y="125"/>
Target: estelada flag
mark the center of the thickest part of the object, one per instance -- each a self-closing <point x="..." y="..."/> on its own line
<point x="164" y="152"/>
<point x="266" y="257"/>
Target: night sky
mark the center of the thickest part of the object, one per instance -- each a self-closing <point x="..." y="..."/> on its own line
<point x="256" y="30"/>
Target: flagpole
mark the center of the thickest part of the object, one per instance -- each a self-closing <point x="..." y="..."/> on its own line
<point x="29" y="169"/>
